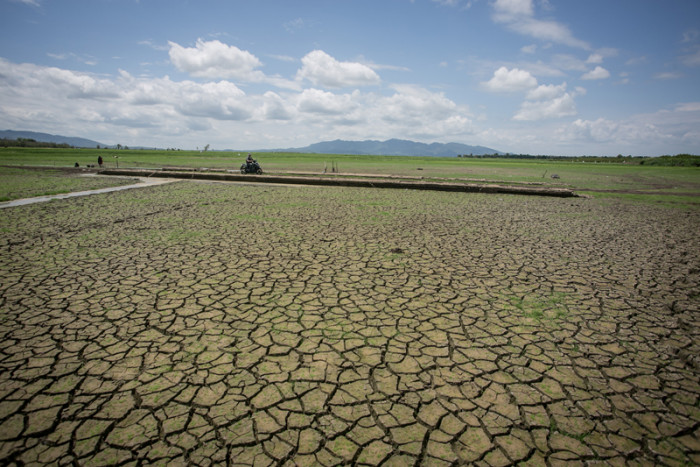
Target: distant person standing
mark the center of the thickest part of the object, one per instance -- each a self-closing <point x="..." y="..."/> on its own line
<point x="99" y="161"/>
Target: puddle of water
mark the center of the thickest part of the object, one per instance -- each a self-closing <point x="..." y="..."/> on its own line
<point x="144" y="182"/>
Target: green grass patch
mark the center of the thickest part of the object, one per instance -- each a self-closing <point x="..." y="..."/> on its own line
<point x="552" y="307"/>
<point x="573" y="174"/>
<point x="16" y="183"/>
<point x="684" y="202"/>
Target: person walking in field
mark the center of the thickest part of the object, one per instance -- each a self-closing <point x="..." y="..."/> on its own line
<point x="99" y="161"/>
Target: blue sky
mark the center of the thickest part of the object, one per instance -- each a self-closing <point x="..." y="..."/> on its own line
<point x="565" y="77"/>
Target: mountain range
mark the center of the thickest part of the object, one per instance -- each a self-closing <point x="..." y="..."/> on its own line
<point x="394" y="147"/>
<point x="391" y="147"/>
<point x="47" y="138"/>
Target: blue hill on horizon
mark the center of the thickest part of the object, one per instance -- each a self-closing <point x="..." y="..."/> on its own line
<point x="391" y="147"/>
<point x="394" y="147"/>
<point x="49" y="138"/>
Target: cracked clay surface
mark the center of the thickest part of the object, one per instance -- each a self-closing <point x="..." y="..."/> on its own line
<point x="218" y="324"/>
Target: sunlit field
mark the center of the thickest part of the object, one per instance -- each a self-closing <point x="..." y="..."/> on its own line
<point x="675" y="184"/>
<point x="199" y="322"/>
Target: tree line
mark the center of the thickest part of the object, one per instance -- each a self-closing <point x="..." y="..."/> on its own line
<point x="30" y="143"/>
<point x="679" y="160"/>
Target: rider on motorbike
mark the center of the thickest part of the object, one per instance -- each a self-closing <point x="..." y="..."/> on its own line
<point x="251" y="166"/>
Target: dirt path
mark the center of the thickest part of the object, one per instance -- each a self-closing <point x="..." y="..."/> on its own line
<point x="143" y="182"/>
<point x="220" y="324"/>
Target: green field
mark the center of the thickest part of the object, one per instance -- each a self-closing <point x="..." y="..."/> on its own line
<point x="16" y="183"/>
<point x="671" y="185"/>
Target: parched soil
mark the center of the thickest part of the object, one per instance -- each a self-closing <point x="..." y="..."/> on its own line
<point x="266" y="325"/>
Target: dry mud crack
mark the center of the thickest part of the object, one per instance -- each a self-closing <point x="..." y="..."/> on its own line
<point x="261" y="325"/>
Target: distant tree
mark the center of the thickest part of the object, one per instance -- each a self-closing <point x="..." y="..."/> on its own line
<point x="206" y="148"/>
<point x="30" y="143"/>
<point x="679" y="160"/>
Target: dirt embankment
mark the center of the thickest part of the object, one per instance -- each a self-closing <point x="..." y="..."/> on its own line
<point x="350" y="182"/>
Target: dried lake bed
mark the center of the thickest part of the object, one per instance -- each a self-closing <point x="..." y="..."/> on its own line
<point x="267" y="325"/>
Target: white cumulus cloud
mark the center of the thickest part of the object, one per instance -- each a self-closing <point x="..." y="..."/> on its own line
<point x="557" y="107"/>
<point x="323" y="70"/>
<point x="214" y="59"/>
<point x="597" y="73"/>
<point x="220" y="101"/>
<point x="505" y="80"/>
<point x="546" y="91"/>
<point x="661" y="132"/>
<point x="275" y="107"/>
<point x="316" y="101"/>
<point x="603" y="130"/>
<point x="548" y="101"/>
<point x="417" y="111"/>
<point x="414" y="101"/>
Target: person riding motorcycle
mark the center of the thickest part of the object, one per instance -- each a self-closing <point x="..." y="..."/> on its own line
<point x="251" y="166"/>
<point x="249" y="162"/>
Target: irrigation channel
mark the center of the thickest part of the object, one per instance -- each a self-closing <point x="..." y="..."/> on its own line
<point x="159" y="177"/>
<point x="365" y="182"/>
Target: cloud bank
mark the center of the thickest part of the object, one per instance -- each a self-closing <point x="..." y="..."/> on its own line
<point x="225" y="98"/>
<point x="519" y="16"/>
<point x="323" y="70"/>
<point x="214" y="59"/>
<point x="60" y="100"/>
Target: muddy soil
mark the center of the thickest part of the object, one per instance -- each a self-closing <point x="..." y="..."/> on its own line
<point x="262" y="325"/>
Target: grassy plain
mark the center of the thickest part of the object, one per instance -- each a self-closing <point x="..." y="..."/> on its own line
<point x="16" y="183"/>
<point x="671" y="185"/>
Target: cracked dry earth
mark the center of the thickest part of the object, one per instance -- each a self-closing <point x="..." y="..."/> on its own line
<point x="256" y="325"/>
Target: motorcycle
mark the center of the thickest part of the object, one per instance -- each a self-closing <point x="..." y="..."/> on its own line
<point x="251" y="168"/>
